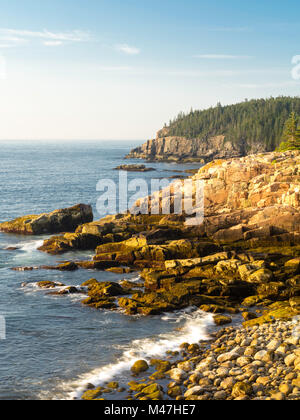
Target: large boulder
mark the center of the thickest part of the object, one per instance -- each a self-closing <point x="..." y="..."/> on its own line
<point x="70" y="241"/>
<point x="64" y="220"/>
<point x="139" y="366"/>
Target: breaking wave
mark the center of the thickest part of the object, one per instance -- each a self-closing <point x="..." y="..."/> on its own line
<point x="195" y="328"/>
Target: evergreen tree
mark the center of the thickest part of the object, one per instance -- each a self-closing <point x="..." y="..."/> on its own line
<point x="291" y="134"/>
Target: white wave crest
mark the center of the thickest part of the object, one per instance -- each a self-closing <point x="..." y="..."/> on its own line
<point x="194" y="330"/>
<point x="29" y="246"/>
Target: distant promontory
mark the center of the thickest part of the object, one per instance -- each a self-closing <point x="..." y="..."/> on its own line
<point x="253" y="126"/>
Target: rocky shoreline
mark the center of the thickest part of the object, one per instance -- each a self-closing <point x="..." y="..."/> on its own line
<point x="243" y="259"/>
<point x="254" y="363"/>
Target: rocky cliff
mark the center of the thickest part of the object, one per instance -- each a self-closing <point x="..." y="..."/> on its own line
<point x="254" y="199"/>
<point x="182" y="149"/>
<point x="221" y="132"/>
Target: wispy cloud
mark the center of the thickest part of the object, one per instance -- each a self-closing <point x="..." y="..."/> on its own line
<point x="10" y="38"/>
<point x="221" y="56"/>
<point x="127" y="49"/>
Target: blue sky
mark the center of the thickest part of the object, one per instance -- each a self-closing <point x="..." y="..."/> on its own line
<point x="119" y="69"/>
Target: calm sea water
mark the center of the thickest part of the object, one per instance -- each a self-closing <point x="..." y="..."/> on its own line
<point x="54" y="346"/>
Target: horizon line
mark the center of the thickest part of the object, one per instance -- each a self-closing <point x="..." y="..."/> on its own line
<point x="71" y="139"/>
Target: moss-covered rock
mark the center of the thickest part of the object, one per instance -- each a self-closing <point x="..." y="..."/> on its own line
<point x="101" y="295"/>
<point x="66" y="291"/>
<point x="113" y="385"/>
<point x="136" y="387"/>
<point x="293" y="264"/>
<point x="251" y="301"/>
<point x="92" y="394"/>
<point x="139" y="367"/>
<point x="119" y="270"/>
<point x="134" y="168"/>
<point x="249" y="316"/>
<point x="157" y="376"/>
<point x="214" y="309"/>
<point x="64" y="220"/>
<point x="156" y="396"/>
<point x="175" y="391"/>
<point x="69" y="241"/>
<point x="101" y="303"/>
<point x="278" y="311"/>
<point x="161" y="365"/>
<point x="151" y="389"/>
<point x="90" y="283"/>
<point x="131" y="286"/>
<point x="222" y="320"/>
<point x="129" y="305"/>
<point x="68" y="266"/>
<point x="49" y="284"/>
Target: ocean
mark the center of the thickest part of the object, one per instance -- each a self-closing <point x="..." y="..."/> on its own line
<point x="55" y="346"/>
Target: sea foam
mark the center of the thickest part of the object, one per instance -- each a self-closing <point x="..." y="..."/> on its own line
<point x="30" y="246"/>
<point x="195" y="329"/>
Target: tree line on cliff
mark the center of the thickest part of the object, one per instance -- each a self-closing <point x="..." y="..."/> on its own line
<point x="250" y="122"/>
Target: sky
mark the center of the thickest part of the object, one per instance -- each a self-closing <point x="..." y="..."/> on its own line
<point x="120" y="69"/>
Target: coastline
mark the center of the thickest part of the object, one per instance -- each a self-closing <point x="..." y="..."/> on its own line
<point x="236" y="261"/>
<point x="258" y="363"/>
